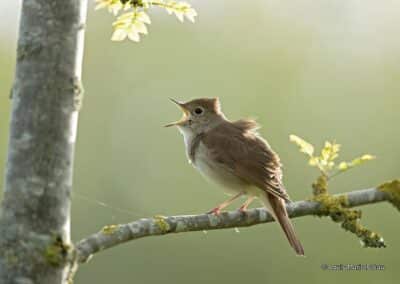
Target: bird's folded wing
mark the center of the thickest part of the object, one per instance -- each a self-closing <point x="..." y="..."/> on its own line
<point x="248" y="156"/>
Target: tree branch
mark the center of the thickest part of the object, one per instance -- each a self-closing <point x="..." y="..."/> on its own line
<point x="113" y="235"/>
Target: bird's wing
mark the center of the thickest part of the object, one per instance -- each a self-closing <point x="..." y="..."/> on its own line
<point x="237" y="146"/>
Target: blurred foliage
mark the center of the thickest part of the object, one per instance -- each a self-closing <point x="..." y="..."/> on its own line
<point x="133" y="23"/>
<point x="325" y="162"/>
<point x="335" y="206"/>
<point x="320" y="68"/>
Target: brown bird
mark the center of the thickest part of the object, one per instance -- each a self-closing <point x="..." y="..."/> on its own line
<point x="232" y="154"/>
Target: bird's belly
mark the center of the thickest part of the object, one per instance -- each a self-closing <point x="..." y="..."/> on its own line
<point x="217" y="172"/>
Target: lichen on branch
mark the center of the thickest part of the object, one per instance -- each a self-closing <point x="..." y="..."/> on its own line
<point x="336" y="206"/>
<point x="114" y="235"/>
<point x="392" y="189"/>
<point x="349" y="219"/>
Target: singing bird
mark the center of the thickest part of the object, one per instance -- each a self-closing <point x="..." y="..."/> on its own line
<point x="234" y="155"/>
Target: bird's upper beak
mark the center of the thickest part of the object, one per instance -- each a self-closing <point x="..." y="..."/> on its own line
<point x="184" y="117"/>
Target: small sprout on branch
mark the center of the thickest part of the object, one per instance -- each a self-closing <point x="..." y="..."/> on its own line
<point x="335" y="206"/>
<point x="344" y="166"/>
<point x="305" y="147"/>
<point x="132" y="22"/>
<point x="325" y="162"/>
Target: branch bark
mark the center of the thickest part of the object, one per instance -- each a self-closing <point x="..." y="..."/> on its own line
<point x="35" y="212"/>
<point x="114" y="235"/>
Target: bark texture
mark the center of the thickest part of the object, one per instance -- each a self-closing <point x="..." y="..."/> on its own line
<point x="113" y="235"/>
<point x="35" y="212"/>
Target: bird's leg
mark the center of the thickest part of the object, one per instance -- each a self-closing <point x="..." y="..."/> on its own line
<point x="217" y="210"/>
<point x="244" y="206"/>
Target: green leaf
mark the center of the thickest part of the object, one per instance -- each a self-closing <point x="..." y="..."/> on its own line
<point x="362" y="159"/>
<point x="190" y="14"/>
<point x="314" y="161"/>
<point x="179" y="15"/>
<point x="114" y="6"/>
<point x="343" y="166"/>
<point x="143" y="17"/>
<point x="305" y="147"/>
<point x="140" y="27"/>
<point x="367" y="157"/>
<point x="134" y="36"/>
<point x="119" y="35"/>
<point x="132" y="24"/>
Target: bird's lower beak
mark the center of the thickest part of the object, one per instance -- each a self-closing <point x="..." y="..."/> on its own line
<point x="175" y="123"/>
<point x="184" y="117"/>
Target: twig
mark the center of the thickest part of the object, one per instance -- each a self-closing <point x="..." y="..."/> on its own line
<point x="114" y="235"/>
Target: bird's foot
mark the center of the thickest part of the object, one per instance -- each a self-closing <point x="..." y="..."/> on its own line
<point x="215" y="211"/>
<point x="242" y="209"/>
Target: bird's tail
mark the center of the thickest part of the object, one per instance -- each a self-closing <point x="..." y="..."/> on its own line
<point x="276" y="206"/>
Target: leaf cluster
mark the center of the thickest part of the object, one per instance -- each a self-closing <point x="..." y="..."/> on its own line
<point x="326" y="160"/>
<point x="336" y="206"/>
<point x="133" y="15"/>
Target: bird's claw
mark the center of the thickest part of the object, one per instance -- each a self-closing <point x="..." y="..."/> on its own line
<point x="215" y="211"/>
<point x="242" y="209"/>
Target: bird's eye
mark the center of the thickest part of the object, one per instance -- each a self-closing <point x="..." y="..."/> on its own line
<point x="198" y="110"/>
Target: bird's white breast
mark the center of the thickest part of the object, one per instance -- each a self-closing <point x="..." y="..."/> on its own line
<point x="187" y="136"/>
<point x="216" y="172"/>
<point x="213" y="170"/>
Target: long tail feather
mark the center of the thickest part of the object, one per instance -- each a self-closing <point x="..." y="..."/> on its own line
<point x="276" y="206"/>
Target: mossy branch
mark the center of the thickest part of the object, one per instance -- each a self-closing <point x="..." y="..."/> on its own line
<point x="161" y="225"/>
<point x="335" y="206"/>
<point x="322" y="203"/>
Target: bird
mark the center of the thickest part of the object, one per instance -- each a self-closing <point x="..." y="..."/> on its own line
<point x="234" y="155"/>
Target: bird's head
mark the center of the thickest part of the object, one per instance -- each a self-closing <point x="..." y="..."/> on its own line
<point x="199" y="115"/>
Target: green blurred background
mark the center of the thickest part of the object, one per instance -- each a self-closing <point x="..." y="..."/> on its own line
<point x="319" y="69"/>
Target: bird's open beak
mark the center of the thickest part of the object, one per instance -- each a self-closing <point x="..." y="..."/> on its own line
<point x="184" y="117"/>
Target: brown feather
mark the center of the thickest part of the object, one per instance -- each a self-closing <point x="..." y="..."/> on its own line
<point x="246" y="125"/>
<point x="234" y="155"/>
<point x="211" y="104"/>
<point x="281" y="216"/>
<point x="238" y="146"/>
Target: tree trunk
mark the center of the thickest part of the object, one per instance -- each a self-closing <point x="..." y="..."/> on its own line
<point x="35" y="213"/>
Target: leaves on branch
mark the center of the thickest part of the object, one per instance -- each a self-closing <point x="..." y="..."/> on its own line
<point x="335" y="206"/>
<point x="305" y="147"/>
<point x="325" y="162"/>
<point x="131" y="23"/>
<point x="343" y="166"/>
